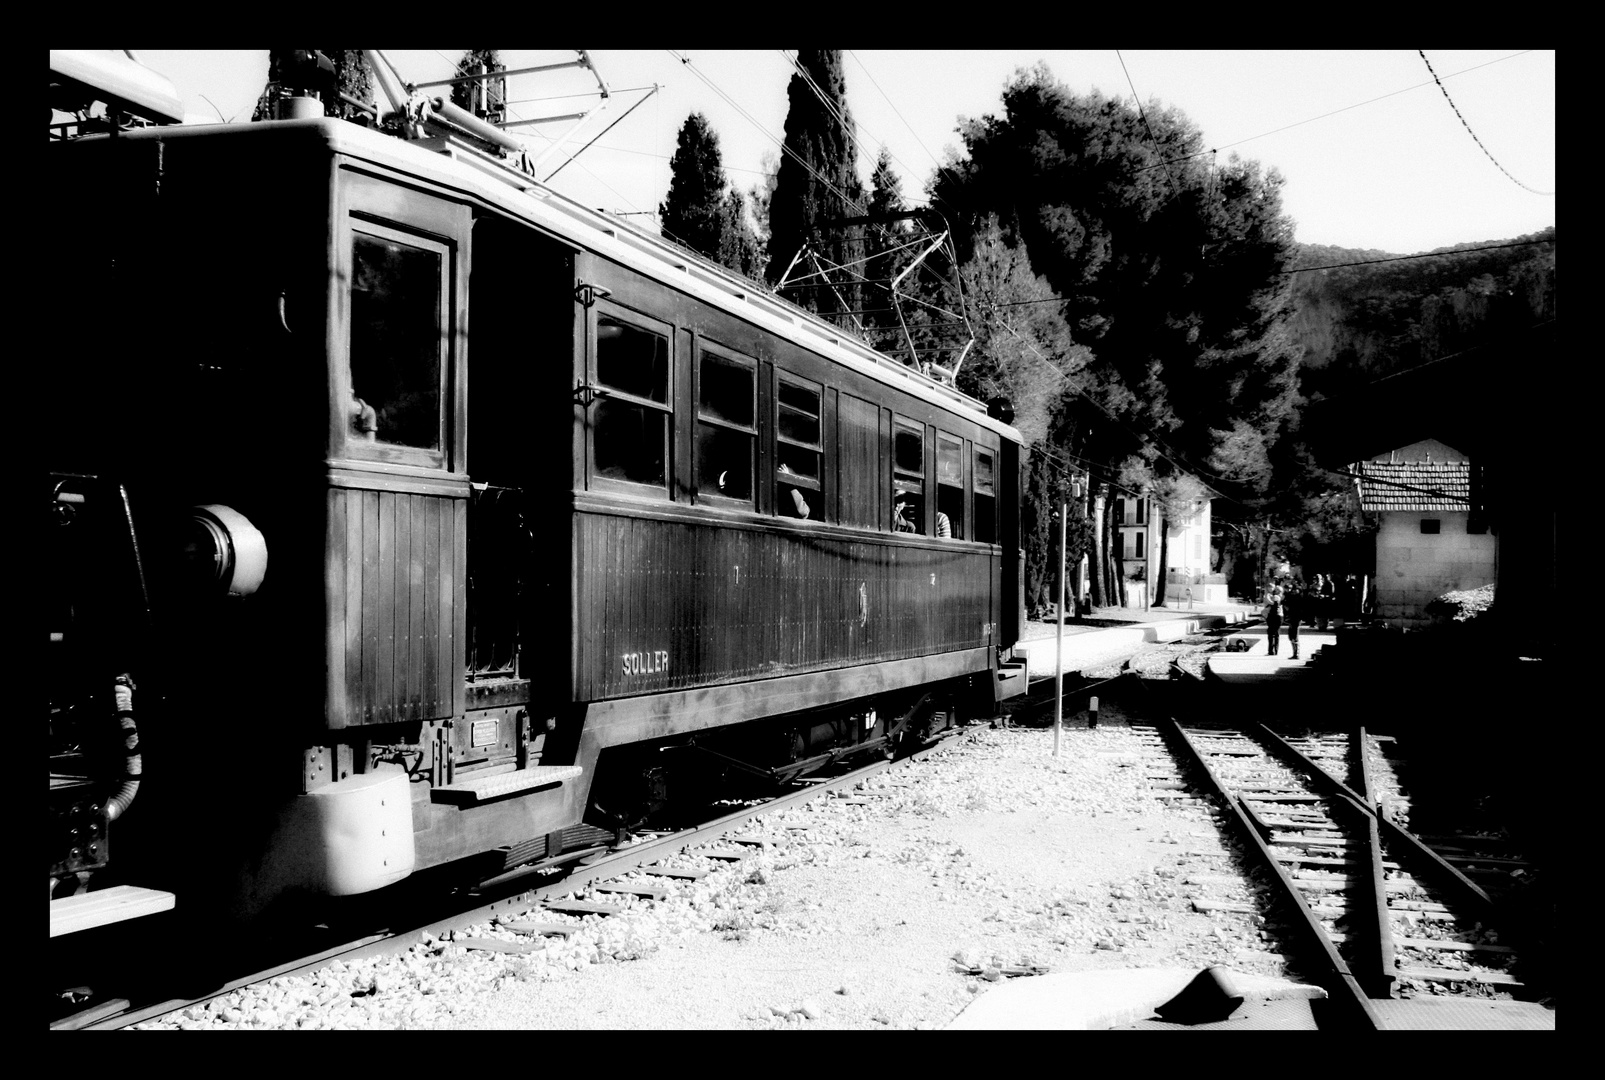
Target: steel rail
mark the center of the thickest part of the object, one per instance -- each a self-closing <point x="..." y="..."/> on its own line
<point x="1386" y="963"/>
<point x="1467" y="890"/>
<point x="583" y="867"/>
<point x="1375" y="934"/>
<point x="1349" y="999"/>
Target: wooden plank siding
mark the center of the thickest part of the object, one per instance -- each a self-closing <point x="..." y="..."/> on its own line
<point x="676" y="604"/>
<point x="394" y="617"/>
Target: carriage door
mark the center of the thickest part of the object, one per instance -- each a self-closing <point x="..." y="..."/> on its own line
<point x="521" y="347"/>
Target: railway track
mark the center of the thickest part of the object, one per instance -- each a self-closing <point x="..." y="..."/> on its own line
<point x="519" y="907"/>
<point x="1378" y="912"/>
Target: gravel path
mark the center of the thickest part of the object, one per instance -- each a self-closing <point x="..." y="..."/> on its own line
<point x="889" y="908"/>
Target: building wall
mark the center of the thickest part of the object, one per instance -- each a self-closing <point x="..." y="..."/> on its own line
<point x="1187" y="554"/>
<point x="1189" y="543"/>
<point x="1413" y="568"/>
<point x="1425" y="450"/>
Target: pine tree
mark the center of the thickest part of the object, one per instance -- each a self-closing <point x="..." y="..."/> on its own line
<point x="818" y="186"/>
<point x="1168" y="267"/>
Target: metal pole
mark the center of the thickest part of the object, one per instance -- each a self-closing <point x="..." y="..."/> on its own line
<point x="1147" y="551"/>
<point x="1058" y="654"/>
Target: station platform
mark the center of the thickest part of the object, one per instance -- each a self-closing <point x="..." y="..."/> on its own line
<point x="1255" y="664"/>
<point x="1110" y="633"/>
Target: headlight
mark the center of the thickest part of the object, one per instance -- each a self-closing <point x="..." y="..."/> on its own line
<point x="225" y="551"/>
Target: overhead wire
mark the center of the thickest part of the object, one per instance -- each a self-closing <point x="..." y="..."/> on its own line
<point x="1332" y="266"/>
<point x="852" y="129"/>
<point x="1143" y="115"/>
<point x="1473" y="134"/>
<point x="526" y="134"/>
<point x="1334" y="112"/>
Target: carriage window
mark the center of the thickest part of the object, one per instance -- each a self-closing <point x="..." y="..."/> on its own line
<point x="398" y="340"/>
<point x="797" y="448"/>
<point x="908" y="477"/>
<point x="949" y="486"/>
<point x="726" y="395"/>
<point x="631" y="422"/>
<point x="986" y="503"/>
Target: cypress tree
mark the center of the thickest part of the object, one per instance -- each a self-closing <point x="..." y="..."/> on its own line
<point x="818" y="183"/>
<point x="693" y="214"/>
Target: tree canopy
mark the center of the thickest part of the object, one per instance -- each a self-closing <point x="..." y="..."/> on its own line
<point x="1168" y="264"/>
<point x="1163" y="266"/>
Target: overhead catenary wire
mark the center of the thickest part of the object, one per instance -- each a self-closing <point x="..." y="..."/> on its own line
<point x="1334" y="112"/>
<point x="1333" y="266"/>
<point x="1143" y="115"/>
<point x="1473" y="134"/>
<point x="788" y="151"/>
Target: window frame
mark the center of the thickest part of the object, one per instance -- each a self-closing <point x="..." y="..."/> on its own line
<point x="350" y="444"/>
<point x="720" y="354"/>
<point x="960" y="528"/>
<point x="976" y="493"/>
<point x="916" y="428"/>
<point x="815" y="483"/>
<point x="601" y="392"/>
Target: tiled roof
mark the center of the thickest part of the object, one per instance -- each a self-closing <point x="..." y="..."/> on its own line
<point x="1414" y="485"/>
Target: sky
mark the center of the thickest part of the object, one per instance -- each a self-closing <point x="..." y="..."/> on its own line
<point x="1373" y="153"/>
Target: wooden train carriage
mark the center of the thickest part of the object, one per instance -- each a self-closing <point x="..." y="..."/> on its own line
<point x="436" y="379"/>
<point x="738" y="549"/>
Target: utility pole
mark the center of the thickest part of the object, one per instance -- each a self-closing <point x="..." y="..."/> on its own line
<point x="1148" y="548"/>
<point x="1058" y="655"/>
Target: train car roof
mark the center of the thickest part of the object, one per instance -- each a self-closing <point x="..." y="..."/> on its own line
<point x="459" y="167"/>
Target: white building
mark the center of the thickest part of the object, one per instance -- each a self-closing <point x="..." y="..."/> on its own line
<point x="1186" y="549"/>
<point x="1428" y="541"/>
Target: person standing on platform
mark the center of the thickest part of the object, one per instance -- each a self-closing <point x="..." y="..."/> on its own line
<point x="1294" y="606"/>
<point x="1344" y="606"/>
<point x="1326" y="601"/>
<point x="1273" y="620"/>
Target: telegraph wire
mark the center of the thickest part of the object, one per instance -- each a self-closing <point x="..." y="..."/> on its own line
<point x="1146" y="126"/>
<point x="1334" y="112"/>
<point x="1422" y="255"/>
<point x="788" y="151"/>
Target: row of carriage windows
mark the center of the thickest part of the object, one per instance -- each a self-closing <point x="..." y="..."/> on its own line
<point x="632" y="420"/>
<point x="399" y="359"/>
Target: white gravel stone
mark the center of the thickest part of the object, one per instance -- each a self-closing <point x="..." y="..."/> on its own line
<point x="987" y="854"/>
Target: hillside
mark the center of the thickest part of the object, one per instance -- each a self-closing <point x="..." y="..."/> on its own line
<point x="1359" y="323"/>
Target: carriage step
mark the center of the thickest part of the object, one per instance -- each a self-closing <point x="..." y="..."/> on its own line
<point x="87" y="910"/>
<point x="485" y="788"/>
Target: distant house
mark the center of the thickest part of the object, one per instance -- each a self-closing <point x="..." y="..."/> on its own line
<point x="1428" y="540"/>
<point x="1131" y="522"/>
<point x="1187" y="553"/>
